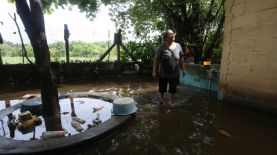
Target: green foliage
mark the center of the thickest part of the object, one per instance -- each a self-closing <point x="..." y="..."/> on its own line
<point x="87" y="49"/>
<point x="90" y="7"/>
<point x="198" y="23"/>
<point x="79" y="52"/>
<point x="216" y="56"/>
<point x="143" y="51"/>
<point x="16" y="60"/>
<point x="83" y="52"/>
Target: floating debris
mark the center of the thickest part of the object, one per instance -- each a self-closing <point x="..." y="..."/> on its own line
<point x="81" y="102"/>
<point x="79" y="120"/>
<point x="97" y="108"/>
<point x="97" y="120"/>
<point x="27" y="120"/>
<point x="90" y="126"/>
<point x="225" y="133"/>
<point x="29" y="96"/>
<point x="64" y="113"/>
<point x="76" y="125"/>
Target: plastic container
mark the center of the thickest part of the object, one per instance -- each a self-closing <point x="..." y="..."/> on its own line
<point x="124" y="106"/>
<point x="207" y="62"/>
<point x="34" y="106"/>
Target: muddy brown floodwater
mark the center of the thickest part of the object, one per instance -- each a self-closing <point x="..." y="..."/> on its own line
<point x="199" y="124"/>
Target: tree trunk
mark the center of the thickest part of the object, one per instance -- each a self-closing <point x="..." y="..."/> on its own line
<point x="33" y="21"/>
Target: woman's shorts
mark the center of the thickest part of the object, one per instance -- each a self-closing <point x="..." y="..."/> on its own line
<point x="163" y="83"/>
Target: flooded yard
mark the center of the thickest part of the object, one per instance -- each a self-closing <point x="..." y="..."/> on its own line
<point x="199" y="124"/>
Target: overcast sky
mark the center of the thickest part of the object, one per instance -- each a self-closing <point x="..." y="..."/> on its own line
<point x="79" y="26"/>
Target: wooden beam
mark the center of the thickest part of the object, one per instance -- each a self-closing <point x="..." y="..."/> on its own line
<point x="105" y="54"/>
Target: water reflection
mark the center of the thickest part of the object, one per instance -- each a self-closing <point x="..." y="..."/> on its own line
<point x="83" y="109"/>
<point x="77" y="110"/>
<point x="11" y="123"/>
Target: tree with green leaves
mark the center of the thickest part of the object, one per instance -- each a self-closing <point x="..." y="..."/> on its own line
<point x="198" y="23"/>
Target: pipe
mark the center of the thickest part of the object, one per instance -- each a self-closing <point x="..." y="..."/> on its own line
<point x="210" y="78"/>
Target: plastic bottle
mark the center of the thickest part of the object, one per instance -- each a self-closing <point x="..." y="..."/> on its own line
<point x="97" y="120"/>
<point x="53" y="134"/>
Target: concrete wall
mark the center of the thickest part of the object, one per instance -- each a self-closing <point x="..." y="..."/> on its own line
<point x="248" y="73"/>
<point x="25" y="73"/>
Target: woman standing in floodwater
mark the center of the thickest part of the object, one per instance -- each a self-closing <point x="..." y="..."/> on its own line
<point x="168" y="56"/>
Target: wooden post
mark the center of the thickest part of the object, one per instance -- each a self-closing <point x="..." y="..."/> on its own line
<point x="106" y="53"/>
<point x="118" y="43"/>
<point x="118" y="52"/>
<point x="66" y="36"/>
<point x="118" y="39"/>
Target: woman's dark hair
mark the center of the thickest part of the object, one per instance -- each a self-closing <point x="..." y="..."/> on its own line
<point x="164" y="35"/>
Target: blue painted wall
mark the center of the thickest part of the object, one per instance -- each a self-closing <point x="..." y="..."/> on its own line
<point x="198" y="76"/>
